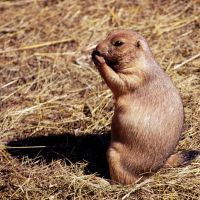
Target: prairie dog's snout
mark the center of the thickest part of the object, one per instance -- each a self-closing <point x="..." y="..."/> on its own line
<point x="101" y="50"/>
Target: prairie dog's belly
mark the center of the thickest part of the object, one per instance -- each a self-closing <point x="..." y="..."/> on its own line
<point x="142" y="144"/>
<point x="147" y="127"/>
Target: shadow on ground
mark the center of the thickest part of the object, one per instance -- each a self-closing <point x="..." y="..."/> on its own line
<point x="89" y="148"/>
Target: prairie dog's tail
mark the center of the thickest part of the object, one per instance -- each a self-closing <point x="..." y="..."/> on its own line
<point x="181" y="158"/>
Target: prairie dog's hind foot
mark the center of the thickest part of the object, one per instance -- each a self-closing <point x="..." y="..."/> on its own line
<point x="118" y="172"/>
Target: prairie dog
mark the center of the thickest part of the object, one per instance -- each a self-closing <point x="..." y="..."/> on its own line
<point x="148" y="113"/>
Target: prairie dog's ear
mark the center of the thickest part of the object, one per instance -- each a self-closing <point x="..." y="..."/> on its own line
<point x="142" y="44"/>
<point x="138" y="45"/>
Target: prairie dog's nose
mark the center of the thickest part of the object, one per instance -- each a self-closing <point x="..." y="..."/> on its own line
<point x="96" y="52"/>
<point x="102" y="48"/>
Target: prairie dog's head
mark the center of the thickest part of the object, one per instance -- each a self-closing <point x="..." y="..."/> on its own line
<point x="121" y="47"/>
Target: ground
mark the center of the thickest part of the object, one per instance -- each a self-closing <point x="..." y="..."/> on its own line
<point x="55" y="110"/>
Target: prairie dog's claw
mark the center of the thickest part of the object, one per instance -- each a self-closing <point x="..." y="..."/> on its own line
<point x="100" y="59"/>
<point x="97" y="59"/>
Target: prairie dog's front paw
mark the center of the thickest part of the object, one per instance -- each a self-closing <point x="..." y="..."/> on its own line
<point x="98" y="60"/>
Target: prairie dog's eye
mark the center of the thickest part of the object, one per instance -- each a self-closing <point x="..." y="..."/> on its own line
<point x="118" y="43"/>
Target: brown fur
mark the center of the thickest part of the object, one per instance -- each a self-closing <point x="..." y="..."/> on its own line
<point x="148" y="115"/>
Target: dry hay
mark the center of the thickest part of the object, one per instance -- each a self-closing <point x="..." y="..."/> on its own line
<point x="50" y="92"/>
